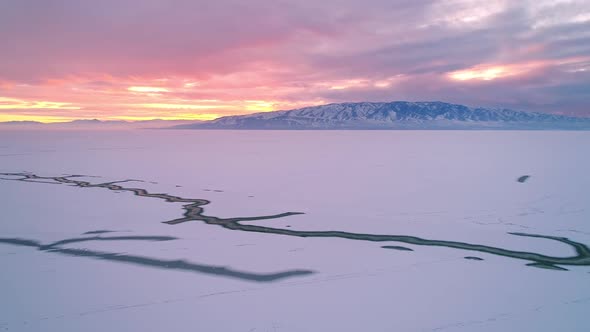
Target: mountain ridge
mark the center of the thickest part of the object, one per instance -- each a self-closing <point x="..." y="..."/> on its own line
<point x="95" y="124"/>
<point x="394" y="115"/>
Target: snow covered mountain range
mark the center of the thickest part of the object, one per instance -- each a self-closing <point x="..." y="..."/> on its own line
<point x="394" y="115"/>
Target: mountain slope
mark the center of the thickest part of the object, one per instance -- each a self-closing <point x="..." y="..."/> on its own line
<point x="394" y="115"/>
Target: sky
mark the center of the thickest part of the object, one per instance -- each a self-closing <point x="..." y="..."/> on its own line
<point x="194" y="59"/>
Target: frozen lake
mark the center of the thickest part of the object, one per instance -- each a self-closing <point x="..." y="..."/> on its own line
<point x="294" y="231"/>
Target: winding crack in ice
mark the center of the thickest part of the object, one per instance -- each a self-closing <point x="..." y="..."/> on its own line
<point x="179" y="265"/>
<point x="193" y="211"/>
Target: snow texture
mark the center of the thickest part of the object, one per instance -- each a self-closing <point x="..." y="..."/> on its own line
<point x="90" y="258"/>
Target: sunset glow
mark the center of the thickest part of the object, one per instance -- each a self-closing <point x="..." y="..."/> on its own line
<point x="35" y="117"/>
<point x="178" y="106"/>
<point x="456" y="51"/>
<point x="486" y="74"/>
<point x="14" y="103"/>
<point x="492" y="72"/>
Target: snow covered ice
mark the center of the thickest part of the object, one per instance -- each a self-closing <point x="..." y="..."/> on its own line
<point x="84" y="258"/>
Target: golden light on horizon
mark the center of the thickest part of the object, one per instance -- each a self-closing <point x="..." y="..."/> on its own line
<point x="187" y="116"/>
<point x="259" y="105"/>
<point x="36" y="118"/>
<point x="57" y="119"/>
